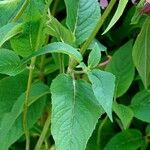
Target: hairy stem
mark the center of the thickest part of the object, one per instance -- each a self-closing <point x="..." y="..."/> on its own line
<point x="44" y="132"/>
<point x="95" y="31"/>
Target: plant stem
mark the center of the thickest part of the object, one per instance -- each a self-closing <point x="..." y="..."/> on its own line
<point x="99" y="131"/>
<point x="55" y="7"/>
<point x="98" y="26"/>
<point x="33" y="60"/>
<point x="93" y="34"/>
<point x="26" y="102"/>
<point x="20" y="12"/>
<point x="44" y="132"/>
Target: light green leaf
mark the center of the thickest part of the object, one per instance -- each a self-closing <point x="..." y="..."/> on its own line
<point x="121" y="7"/>
<point x="96" y="44"/>
<point x="130" y="139"/>
<point x="57" y="47"/>
<point x="141" y="53"/>
<point x="122" y="67"/>
<point x="75" y="113"/>
<point x="9" y="63"/>
<point x="8" y="10"/>
<point x="8" y="31"/>
<point x="141" y="106"/>
<point x="10" y="90"/>
<point x="125" y="114"/>
<point x="25" y="43"/>
<point x="94" y="58"/>
<point x="103" y="84"/>
<point x="11" y="126"/>
<point x="82" y="17"/>
<point x="56" y="29"/>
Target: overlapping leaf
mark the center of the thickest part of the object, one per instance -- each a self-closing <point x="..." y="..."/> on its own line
<point x="75" y="112"/>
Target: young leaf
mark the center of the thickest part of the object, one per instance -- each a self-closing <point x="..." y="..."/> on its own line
<point x="121" y="6"/>
<point x="130" y="139"/>
<point x="57" y="47"/>
<point x="8" y="31"/>
<point x="122" y="67"/>
<point x="82" y="17"/>
<point x="56" y="29"/>
<point x="11" y="126"/>
<point x="94" y="57"/>
<point x="103" y="84"/>
<point x="9" y="62"/>
<point x="141" y="53"/>
<point x="141" y="106"/>
<point x="74" y="107"/>
<point x="96" y="44"/>
<point x="125" y="114"/>
<point x="10" y="89"/>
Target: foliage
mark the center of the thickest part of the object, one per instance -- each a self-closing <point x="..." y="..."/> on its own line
<point x="74" y="75"/>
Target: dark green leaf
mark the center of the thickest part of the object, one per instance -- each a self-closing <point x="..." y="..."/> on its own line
<point x="122" y="67"/>
<point x="141" y="106"/>
<point x="141" y="53"/>
<point x="130" y="139"/>
<point x="10" y="89"/>
<point x="11" y="125"/>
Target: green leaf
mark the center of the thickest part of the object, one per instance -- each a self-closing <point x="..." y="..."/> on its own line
<point x="130" y="139"/>
<point x="56" y="29"/>
<point x="121" y="7"/>
<point x="141" y="53"/>
<point x="94" y="57"/>
<point x="10" y="90"/>
<point x="25" y="43"/>
<point x="96" y="44"/>
<point x="57" y="47"/>
<point x="103" y="84"/>
<point x="75" y="113"/>
<point x="10" y="63"/>
<point x="125" y="114"/>
<point x="141" y="106"/>
<point x="8" y="31"/>
<point x="8" y="10"/>
<point x="82" y="17"/>
<point x="11" y="125"/>
<point x="122" y="67"/>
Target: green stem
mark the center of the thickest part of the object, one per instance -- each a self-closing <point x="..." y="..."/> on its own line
<point x="99" y="131"/>
<point x="55" y="7"/>
<point x="95" y="31"/>
<point x="33" y="60"/>
<point x="61" y="63"/>
<point x="98" y="26"/>
<point x="26" y="102"/>
<point x="21" y="11"/>
<point x="44" y="133"/>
